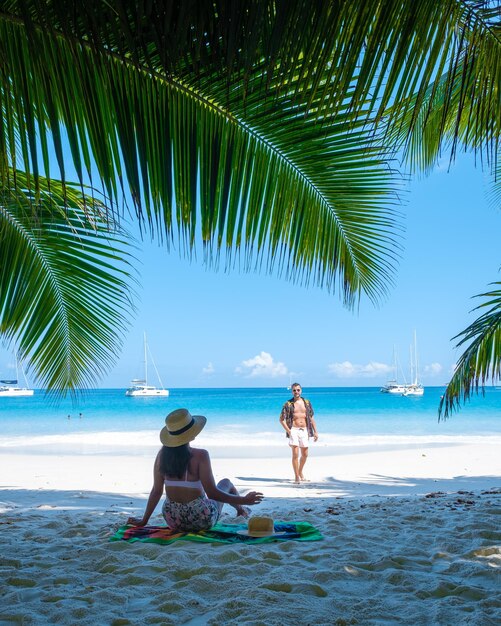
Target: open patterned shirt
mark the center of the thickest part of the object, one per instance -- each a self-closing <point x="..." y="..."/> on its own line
<point x="287" y="414"/>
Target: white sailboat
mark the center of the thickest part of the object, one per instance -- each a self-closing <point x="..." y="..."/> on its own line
<point x="393" y="386"/>
<point x="415" y="388"/>
<point x="9" y="388"/>
<point x="139" y="387"/>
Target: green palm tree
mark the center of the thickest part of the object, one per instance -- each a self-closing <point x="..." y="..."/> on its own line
<point x="265" y="129"/>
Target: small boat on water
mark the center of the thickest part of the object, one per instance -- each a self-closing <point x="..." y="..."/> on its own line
<point x="139" y="387"/>
<point x="394" y="387"/>
<point x="9" y="388"/>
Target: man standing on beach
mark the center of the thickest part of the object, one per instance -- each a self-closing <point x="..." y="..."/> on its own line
<point x="297" y="419"/>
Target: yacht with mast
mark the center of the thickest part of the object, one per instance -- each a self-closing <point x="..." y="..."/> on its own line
<point x="9" y="388"/>
<point x="393" y="386"/>
<point x="139" y="387"/>
<point x="415" y="388"/>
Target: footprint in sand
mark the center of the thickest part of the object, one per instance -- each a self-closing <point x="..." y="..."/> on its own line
<point x="445" y="590"/>
<point x="21" y="582"/>
<point x="304" y="589"/>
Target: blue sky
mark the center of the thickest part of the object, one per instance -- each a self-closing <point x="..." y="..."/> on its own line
<point x="214" y="329"/>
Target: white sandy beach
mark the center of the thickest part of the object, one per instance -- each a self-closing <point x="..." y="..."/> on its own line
<point x="412" y="536"/>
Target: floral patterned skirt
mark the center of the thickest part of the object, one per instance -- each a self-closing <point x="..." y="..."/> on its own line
<point x="198" y="514"/>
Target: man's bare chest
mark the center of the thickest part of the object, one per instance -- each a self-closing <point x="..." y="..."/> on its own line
<point x="299" y="412"/>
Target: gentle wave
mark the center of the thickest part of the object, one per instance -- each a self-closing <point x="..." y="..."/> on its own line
<point x="149" y="438"/>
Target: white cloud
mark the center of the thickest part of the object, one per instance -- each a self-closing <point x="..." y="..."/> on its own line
<point x="346" y="369"/>
<point x="262" y="366"/>
<point x="209" y="369"/>
<point x="434" y="369"/>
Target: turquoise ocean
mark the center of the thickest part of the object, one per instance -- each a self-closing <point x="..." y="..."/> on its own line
<point x="107" y="420"/>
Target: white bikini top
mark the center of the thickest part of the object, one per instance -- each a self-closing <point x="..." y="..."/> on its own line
<point x="190" y="484"/>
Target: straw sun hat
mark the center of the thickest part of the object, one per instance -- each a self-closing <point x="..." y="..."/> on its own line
<point x="181" y="427"/>
<point x="260" y="527"/>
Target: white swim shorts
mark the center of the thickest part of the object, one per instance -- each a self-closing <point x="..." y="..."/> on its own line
<point x="299" y="437"/>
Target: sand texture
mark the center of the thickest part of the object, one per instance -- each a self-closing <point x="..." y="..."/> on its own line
<point x="409" y="539"/>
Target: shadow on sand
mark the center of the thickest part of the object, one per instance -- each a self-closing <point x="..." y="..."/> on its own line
<point x="22" y="500"/>
<point x="377" y="484"/>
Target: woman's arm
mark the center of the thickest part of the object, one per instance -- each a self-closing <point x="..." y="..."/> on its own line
<point x="211" y="489"/>
<point x="155" y="495"/>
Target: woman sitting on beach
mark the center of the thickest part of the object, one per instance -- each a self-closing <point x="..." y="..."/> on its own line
<point x="193" y="500"/>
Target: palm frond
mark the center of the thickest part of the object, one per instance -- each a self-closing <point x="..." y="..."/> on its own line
<point x="175" y="98"/>
<point x="64" y="294"/>
<point x="250" y="166"/>
<point x="481" y="360"/>
<point x="425" y="137"/>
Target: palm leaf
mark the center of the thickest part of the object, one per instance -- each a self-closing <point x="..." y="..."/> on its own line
<point x="255" y="172"/>
<point x="64" y="299"/>
<point x="178" y="99"/>
<point x="448" y="120"/>
<point x="481" y="360"/>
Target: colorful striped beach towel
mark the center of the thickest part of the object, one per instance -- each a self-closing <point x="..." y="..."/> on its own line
<point x="220" y="533"/>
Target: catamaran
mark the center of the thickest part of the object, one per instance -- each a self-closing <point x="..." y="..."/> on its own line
<point x="9" y="388"/>
<point x="139" y="387"/>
